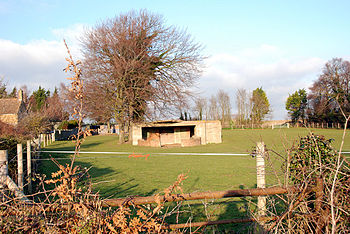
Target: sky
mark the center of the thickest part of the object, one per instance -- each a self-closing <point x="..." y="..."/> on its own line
<point x="280" y="46"/>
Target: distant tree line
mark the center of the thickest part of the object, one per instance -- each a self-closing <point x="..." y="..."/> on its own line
<point x="252" y="107"/>
<point x="329" y="97"/>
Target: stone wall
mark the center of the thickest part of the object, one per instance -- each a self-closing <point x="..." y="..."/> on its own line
<point x="9" y="119"/>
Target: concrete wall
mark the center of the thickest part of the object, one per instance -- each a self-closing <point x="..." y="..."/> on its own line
<point x="204" y="132"/>
<point x="136" y="134"/>
<point x="213" y="132"/>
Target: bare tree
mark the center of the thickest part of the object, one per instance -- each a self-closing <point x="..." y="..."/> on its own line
<point x="224" y="105"/>
<point x="331" y="92"/>
<point x="54" y="109"/>
<point x="200" y="108"/>
<point x="213" y="108"/>
<point x="136" y="61"/>
<point x="243" y="102"/>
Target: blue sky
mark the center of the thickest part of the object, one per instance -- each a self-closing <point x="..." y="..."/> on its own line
<point x="278" y="45"/>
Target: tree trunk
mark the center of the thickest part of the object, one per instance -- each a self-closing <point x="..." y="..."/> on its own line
<point x="121" y="133"/>
<point x="108" y="126"/>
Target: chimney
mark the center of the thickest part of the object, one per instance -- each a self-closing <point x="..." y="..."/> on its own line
<point x="20" y="95"/>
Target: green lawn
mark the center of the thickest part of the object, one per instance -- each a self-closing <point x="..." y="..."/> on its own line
<point x="120" y="176"/>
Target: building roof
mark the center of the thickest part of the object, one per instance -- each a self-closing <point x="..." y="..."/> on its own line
<point x="9" y="106"/>
<point x="175" y="123"/>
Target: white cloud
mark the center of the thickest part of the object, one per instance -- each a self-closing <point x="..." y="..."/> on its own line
<point x="267" y="67"/>
<point x="33" y="64"/>
<point x="39" y="62"/>
<point x="72" y="35"/>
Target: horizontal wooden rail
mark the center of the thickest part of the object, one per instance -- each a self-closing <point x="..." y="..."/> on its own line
<point x="227" y="221"/>
<point x="199" y="196"/>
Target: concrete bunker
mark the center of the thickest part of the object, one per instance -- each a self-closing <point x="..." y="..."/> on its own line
<point x="176" y="133"/>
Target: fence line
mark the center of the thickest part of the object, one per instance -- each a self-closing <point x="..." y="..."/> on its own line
<point x="127" y="153"/>
<point x="199" y="196"/>
<point x="261" y="191"/>
<point x="227" y="221"/>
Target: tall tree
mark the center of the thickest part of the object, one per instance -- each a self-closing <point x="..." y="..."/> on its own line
<point x="38" y="99"/>
<point x="13" y="93"/>
<point x="330" y="93"/>
<point x="213" y="108"/>
<point x="136" y="61"/>
<point x="296" y="105"/>
<point x="243" y="102"/>
<point x="224" y="104"/>
<point x="260" y="106"/>
<point x="54" y="109"/>
<point x="200" y="108"/>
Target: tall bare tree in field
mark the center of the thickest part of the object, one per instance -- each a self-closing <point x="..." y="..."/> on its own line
<point x="224" y="105"/>
<point x="213" y="108"/>
<point x="244" y="106"/>
<point x="135" y="61"/>
<point x="200" y="108"/>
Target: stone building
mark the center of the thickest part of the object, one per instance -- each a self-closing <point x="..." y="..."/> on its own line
<point x="12" y="110"/>
<point x="174" y="133"/>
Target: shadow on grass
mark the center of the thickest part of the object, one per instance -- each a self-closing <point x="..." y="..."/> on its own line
<point x="214" y="210"/>
<point x="97" y="175"/>
<point x="62" y="145"/>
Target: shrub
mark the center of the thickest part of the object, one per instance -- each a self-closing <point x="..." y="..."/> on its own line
<point x="68" y="124"/>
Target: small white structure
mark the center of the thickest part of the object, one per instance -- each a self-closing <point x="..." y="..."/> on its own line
<point x="174" y="133"/>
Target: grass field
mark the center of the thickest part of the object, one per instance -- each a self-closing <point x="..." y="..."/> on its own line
<point x="120" y="176"/>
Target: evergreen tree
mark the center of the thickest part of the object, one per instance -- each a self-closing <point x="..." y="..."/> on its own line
<point x="261" y="105"/>
<point x="296" y="105"/>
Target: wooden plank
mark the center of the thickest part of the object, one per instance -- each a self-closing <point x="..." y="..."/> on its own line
<point x="199" y="196"/>
<point x="227" y="221"/>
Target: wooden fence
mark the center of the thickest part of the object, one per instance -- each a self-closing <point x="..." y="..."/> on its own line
<point x="32" y="147"/>
<point x="322" y="125"/>
<point x="261" y="192"/>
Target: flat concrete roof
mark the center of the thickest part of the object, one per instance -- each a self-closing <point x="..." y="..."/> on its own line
<point x="174" y="123"/>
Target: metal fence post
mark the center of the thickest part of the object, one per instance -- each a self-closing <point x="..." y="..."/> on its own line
<point x="29" y="167"/>
<point x="20" y="166"/>
<point x="260" y="176"/>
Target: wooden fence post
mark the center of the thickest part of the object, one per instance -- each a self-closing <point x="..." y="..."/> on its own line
<point x="318" y="205"/>
<point x="20" y="166"/>
<point x="40" y="140"/>
<point x="29" y="167"/>
<point x="260" y="176"/>
<point x="3" y="168"/>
